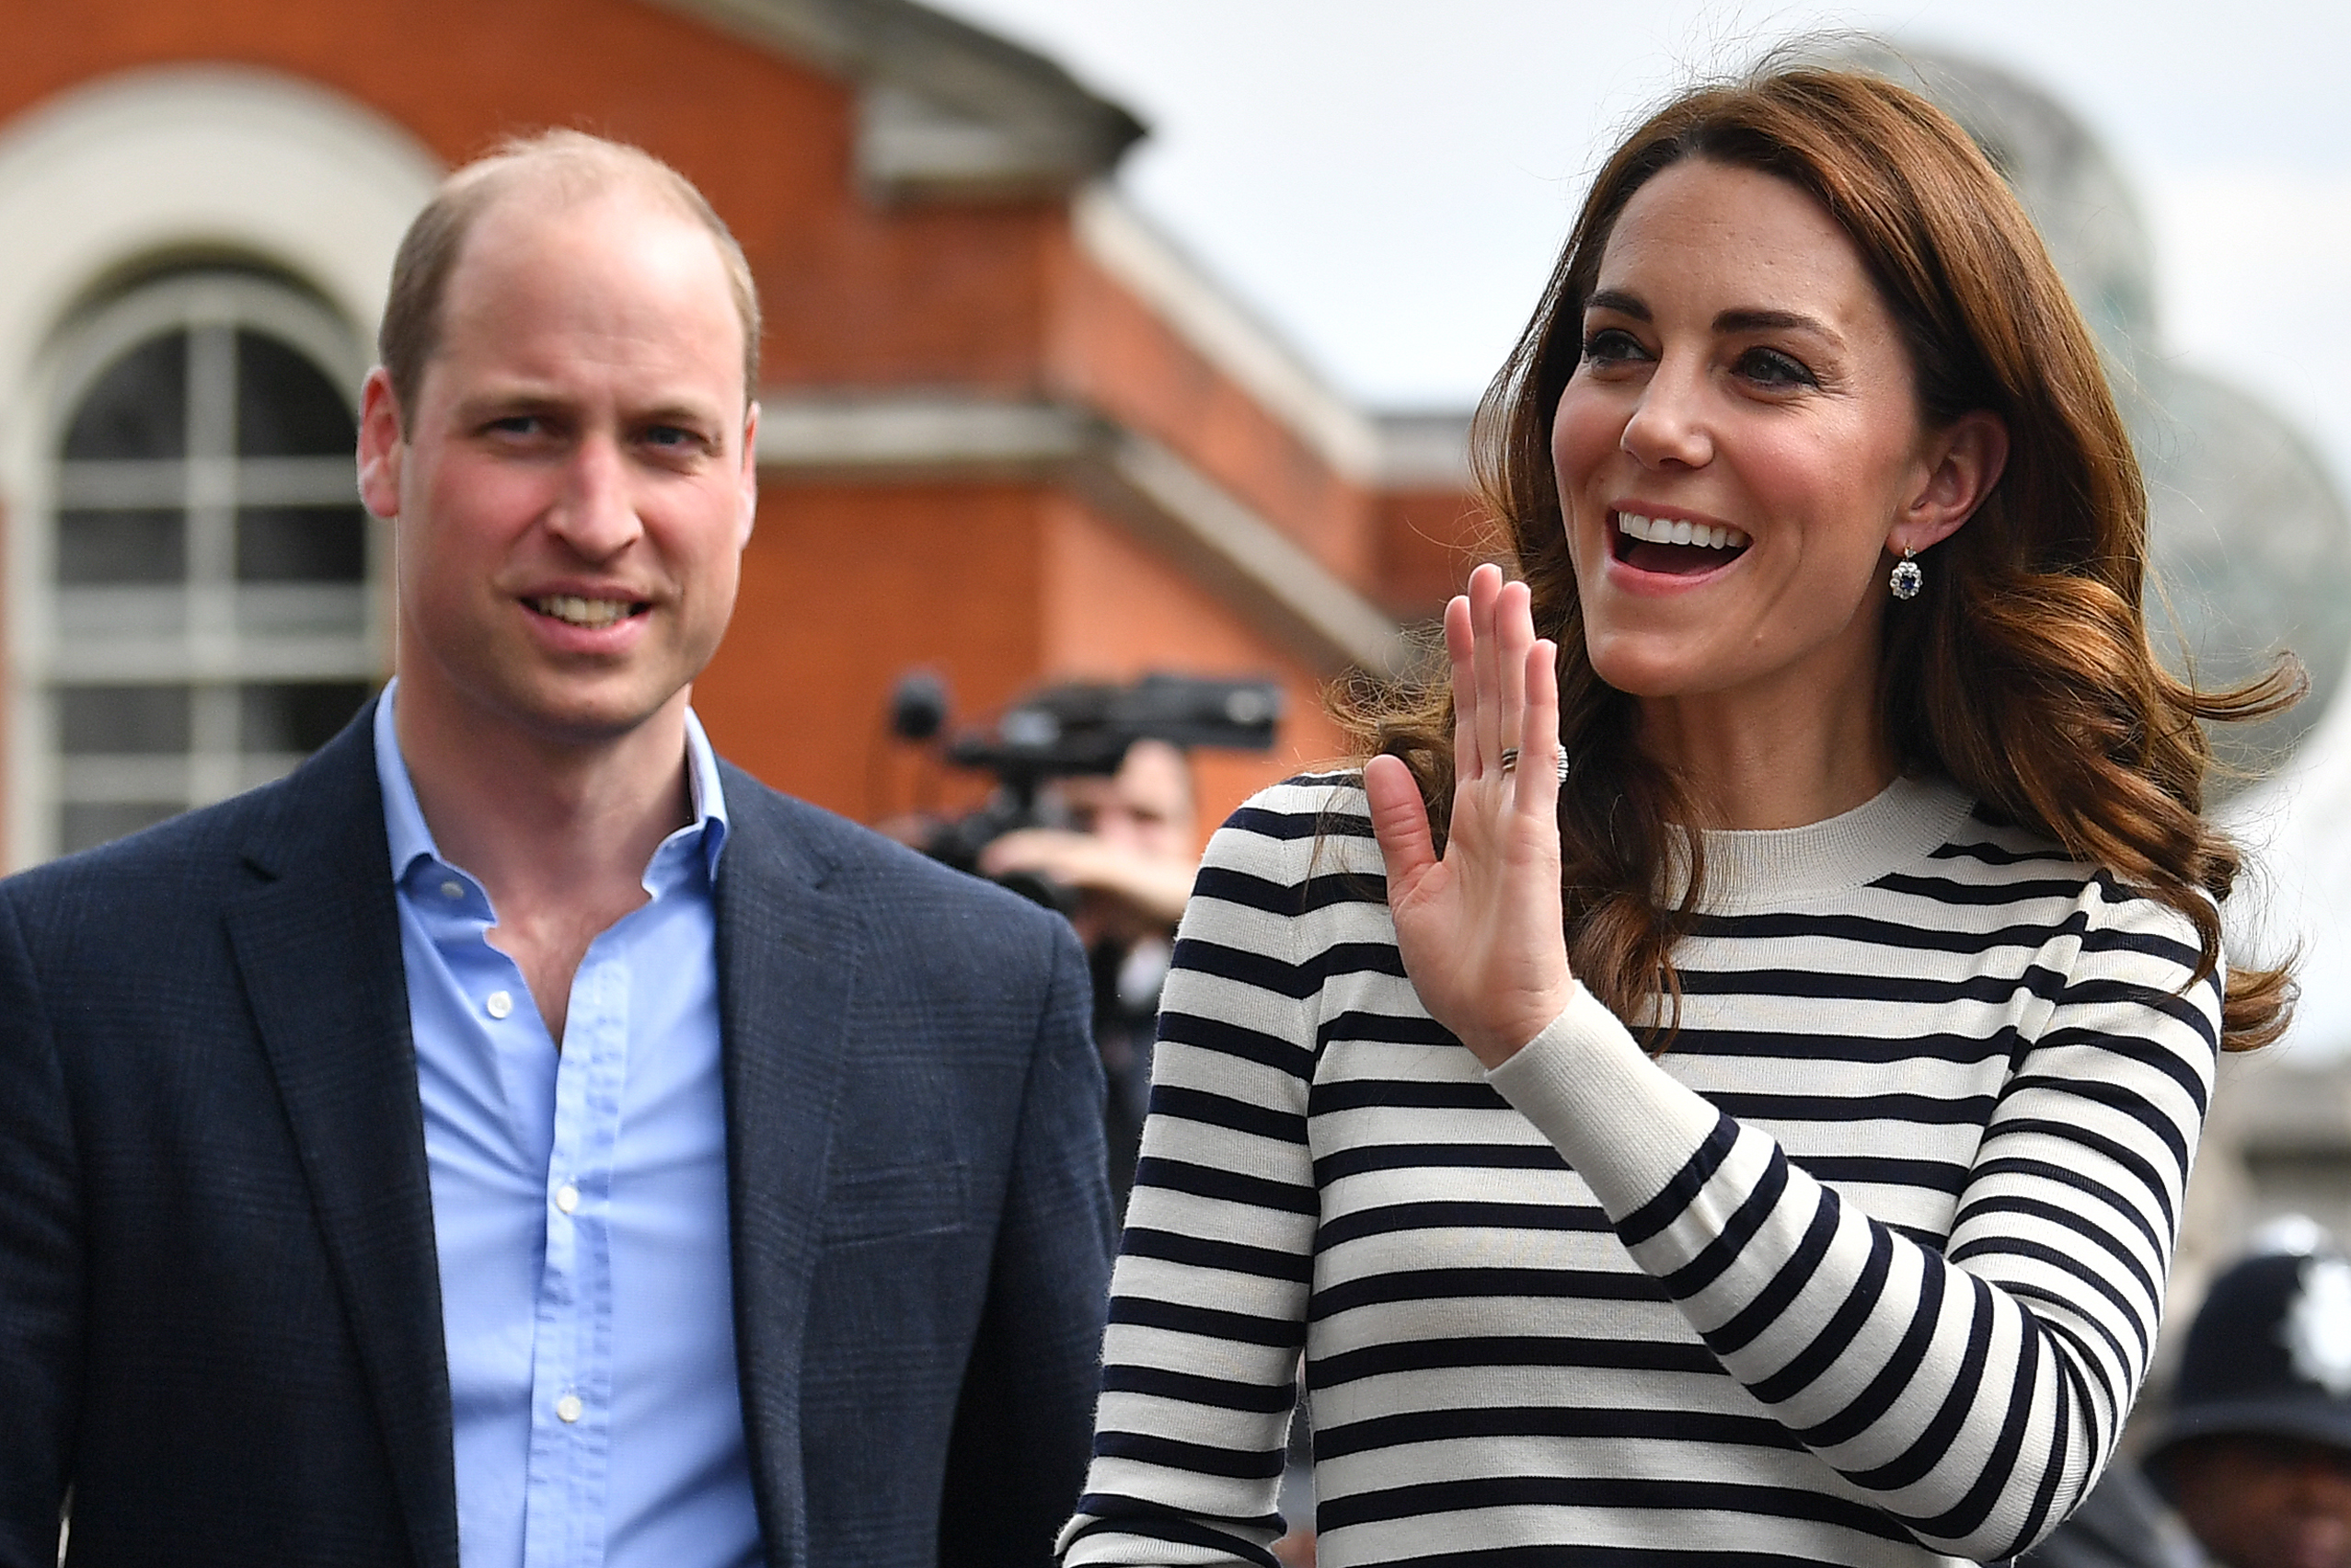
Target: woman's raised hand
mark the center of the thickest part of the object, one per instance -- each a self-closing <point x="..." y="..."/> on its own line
<point x="1479" y="928"/>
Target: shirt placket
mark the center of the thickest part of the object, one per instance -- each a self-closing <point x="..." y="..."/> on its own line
<point x="571" y="1360"/>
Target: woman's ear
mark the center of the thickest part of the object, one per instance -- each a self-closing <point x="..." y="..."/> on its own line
<point x="1965" y="460"/>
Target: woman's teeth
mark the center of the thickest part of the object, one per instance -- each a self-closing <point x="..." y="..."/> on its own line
<point x="571" y="610"/>
<point x="1664" y="531"/>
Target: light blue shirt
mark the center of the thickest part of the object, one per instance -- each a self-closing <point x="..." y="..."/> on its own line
<point x="580" y="1211"/>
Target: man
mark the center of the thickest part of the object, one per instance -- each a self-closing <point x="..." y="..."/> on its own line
<point x="1129" y="853"/>
<point x="518" y="1137"/>
<point x="2255" y="1449"/>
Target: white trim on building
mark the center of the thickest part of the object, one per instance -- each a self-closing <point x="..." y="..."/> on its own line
<point x="133" y="177"/>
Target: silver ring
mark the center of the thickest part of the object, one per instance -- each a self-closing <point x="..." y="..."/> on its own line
<point x="1509" y="759"/>
<point x="1562" y="765"/>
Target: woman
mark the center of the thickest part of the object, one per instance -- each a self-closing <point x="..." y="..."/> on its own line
<point x="1797" y="1189"/>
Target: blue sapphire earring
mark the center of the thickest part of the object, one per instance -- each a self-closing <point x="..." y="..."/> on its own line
<point x="1906" y="579"/>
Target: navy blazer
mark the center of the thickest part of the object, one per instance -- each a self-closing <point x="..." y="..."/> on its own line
<point x="220" y="1315"/>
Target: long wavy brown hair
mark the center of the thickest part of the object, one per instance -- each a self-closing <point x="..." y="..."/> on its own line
<point x="2022" y="672"/>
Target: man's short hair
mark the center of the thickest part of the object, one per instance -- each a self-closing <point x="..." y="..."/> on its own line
<point x="570" y="165"/>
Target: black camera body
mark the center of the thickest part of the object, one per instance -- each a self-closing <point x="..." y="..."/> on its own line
<point x="1072" y="730"/>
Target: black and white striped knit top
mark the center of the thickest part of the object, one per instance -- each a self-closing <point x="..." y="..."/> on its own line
<point x="1865" y="1269"/>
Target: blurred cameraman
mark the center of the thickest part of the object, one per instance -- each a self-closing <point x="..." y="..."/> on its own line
<point x="1129" y="853"/>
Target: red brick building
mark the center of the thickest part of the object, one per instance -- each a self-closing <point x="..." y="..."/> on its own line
<point x="1009" y="430"/>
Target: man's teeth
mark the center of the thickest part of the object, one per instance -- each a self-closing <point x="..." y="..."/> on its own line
<point x="1669" y="531"/>
<point x="573" y="610"/>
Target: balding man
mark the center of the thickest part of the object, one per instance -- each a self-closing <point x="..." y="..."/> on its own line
<point x="518" y="1137"/>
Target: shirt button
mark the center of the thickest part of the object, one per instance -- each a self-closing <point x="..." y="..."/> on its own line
<point x="567" y="1197"/>
<point x="453" y="889"/>
<point x="500" y="1004"/>
<point x="568" y="1408"/>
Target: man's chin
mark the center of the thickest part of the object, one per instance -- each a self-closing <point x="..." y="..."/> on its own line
<point x="582" y="715"/>
<point x="594" y="725"/>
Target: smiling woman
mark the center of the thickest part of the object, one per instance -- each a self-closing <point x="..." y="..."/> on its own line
<point x="1759" y="1137"/>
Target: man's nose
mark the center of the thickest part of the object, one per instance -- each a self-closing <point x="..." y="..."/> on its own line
<point x="1668" y="426"/>
<point x="595" y="512"/>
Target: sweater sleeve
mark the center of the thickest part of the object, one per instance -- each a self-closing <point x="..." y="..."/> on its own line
<point x="1974" y="1393"/>
<point x="1208" y="1299"/>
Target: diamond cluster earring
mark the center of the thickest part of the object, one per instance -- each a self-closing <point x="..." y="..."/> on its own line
<point x="1906" y="579"/>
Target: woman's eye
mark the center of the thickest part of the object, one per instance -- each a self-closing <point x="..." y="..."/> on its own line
<point x="1611" y="345"/>
<point x="1769" y="367"/>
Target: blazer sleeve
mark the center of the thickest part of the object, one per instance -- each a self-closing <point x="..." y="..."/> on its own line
<point x="1025" y="1417"/>
<point x="40" y="1265"/>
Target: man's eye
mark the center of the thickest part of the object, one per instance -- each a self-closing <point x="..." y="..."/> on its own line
<point x="672" y="438"/>
<point x="518" y="424"/>
<point x="1770" y="367"/>
<point x="1612" y="345"/>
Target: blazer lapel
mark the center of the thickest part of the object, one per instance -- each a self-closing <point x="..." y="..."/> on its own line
<point x="787" y="960"/>
<point x="317" y="944"/>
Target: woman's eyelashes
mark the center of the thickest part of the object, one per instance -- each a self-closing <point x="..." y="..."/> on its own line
<point x="1611" y="345"/>
<point x="1774" y="368"/>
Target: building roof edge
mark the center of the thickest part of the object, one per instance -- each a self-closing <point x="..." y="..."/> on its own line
<point x="948" y="110"/>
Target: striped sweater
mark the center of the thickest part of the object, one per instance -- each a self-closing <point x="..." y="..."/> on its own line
<point x="1865" y="1269"/>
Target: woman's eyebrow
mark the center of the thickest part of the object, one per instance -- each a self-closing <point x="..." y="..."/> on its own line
<point x="1619" y="302"/>
<point x="1760" y="320"/>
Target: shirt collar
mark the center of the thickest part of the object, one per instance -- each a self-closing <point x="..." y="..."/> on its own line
<point x="409" y="840"/>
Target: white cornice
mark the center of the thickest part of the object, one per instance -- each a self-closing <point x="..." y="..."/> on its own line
<point x="1379" y="452"/>
<point x="946" y="110"/>
<point x="1136" y="482"/>
<point x="917" y="432"/>
<point x="1119" y="241"/>
<point x="1256" y="567"/>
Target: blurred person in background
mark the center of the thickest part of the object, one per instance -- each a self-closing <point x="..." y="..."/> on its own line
<point x="1720" y="1083"/>
<point x="1128" y="851"/>
<point x="2254" y="1451"/>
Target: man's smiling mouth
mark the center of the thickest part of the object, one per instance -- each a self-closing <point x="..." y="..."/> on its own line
<point x="1675" y="547"/>
<point x="590" y="614"/>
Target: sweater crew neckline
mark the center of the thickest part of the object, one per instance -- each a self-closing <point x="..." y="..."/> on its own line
<point x="1897" y="826"/>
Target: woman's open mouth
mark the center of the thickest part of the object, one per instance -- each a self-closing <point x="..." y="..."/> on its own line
<point x="1674" y="547"/>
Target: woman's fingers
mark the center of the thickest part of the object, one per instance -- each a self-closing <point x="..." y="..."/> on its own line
<point x="1538" y="743"/>
<point x="1506" y="693"/>
<point x="1485" y="598"/>
<point x="1514" y="635"/>
<point x="1479" y="931"/>
<point x="1398" y="821"/>
<point x="1459" y="652"/>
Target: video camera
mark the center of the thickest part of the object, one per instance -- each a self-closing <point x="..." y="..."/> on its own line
<point x="1072" y="730"/>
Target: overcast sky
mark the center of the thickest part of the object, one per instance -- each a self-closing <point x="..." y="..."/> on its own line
<point x="1385" y="182"/>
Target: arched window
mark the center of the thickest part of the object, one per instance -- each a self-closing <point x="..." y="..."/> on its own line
<point x="211" y="614"/>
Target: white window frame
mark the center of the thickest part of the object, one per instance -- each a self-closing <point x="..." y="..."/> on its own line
<point x="209" y="630"/>
<point x="210" y="160"/>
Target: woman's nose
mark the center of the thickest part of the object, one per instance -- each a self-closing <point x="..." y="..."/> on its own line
<point x="1669" y="426"/>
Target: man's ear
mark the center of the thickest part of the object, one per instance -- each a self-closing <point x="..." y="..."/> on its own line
<point x="749" y="479"/>
<point x="381" y="445"/>
<point x="1965" y="459"/>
